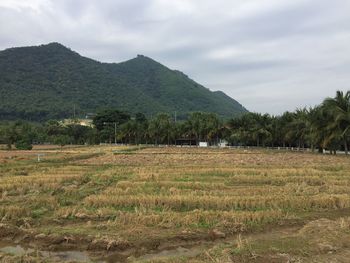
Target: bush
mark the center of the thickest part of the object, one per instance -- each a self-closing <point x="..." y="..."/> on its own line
<point x="23" y="145"/>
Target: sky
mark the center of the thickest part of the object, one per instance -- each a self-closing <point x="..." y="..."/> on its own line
<point x="271" y="55"/>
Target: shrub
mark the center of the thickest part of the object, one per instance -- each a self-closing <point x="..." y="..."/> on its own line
<point x="23" y="145"/>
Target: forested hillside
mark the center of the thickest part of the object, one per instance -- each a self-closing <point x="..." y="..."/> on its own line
<point x="48" y="81"/>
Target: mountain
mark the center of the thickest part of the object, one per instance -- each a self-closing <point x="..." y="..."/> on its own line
<point x="48" y="81"/>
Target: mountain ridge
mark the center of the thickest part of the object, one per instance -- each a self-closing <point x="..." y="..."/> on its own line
<point x="46" y="81"/>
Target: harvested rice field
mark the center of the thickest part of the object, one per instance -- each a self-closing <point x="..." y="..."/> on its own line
<point x="172" y="204"/>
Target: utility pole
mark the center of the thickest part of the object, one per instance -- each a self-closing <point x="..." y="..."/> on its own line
<point x="175" y="116"/>
<point x="74" y="110"/>
<point x="115" y="133"/>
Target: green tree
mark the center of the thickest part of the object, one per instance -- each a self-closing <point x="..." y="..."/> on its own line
<point x="23" y="145"/>
<point x="141" y="128"/>
<point x="20" y="133"/>
<point x="195" y="125"/>
<point x="61" y="140"/>
<point x="107" y="121"/>
<point x="128" y="131"/>
<point x="251" y="129"/>
<point x="339" y="108"/>
<point x="79" y="134"/>
<point x="160" y="128"/>
<point x="299" y="127"/>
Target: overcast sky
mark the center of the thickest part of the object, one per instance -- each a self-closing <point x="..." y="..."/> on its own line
<point x="270" y="55"/>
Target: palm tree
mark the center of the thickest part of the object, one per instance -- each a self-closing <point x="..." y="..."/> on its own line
<point x="251" y="129"/>
<point x="211" y="126"/>
<point x="160" y="128"/>
<point x="262" y="129"/>
<point x="317" y="132"/>
<point x="241" y="129"/>
<point x="283" y="123"/>
<point x="339" y="108"/>
<point x="299" y="127"/>
<point x="128" y="131"/>
<point x="195" y="125"/>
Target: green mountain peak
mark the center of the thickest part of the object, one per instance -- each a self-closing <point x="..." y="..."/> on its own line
<point x="48" y="81"/>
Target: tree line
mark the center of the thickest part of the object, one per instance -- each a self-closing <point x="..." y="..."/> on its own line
<point x="325" y="126"/>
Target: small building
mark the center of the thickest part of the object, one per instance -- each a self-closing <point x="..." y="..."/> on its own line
<point x="203" y="144"/>
<point x="82" y="122"/>
<point x="223" y="143"/>
<point x="86" y="122"/>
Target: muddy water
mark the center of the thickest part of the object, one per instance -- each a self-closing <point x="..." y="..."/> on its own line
<point x="14" y="249"/>
<point x="62" y="256"/>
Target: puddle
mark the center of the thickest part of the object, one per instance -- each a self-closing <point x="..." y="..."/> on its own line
<point x="16" y="250"/>
<point x="62" y="256"/>
<point x="83" y="256"/>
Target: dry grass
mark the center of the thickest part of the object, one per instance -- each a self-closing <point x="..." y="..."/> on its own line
<point x="155" y="194"/>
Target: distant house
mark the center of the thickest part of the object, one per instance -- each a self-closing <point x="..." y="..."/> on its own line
<point x="203" y="144"/>
<point x="82" y="122"/>
<point x="86" y="122"/>
<point x="223" y="143"/>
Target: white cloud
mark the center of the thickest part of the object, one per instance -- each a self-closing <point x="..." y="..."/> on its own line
<point x="23" y="4"/>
